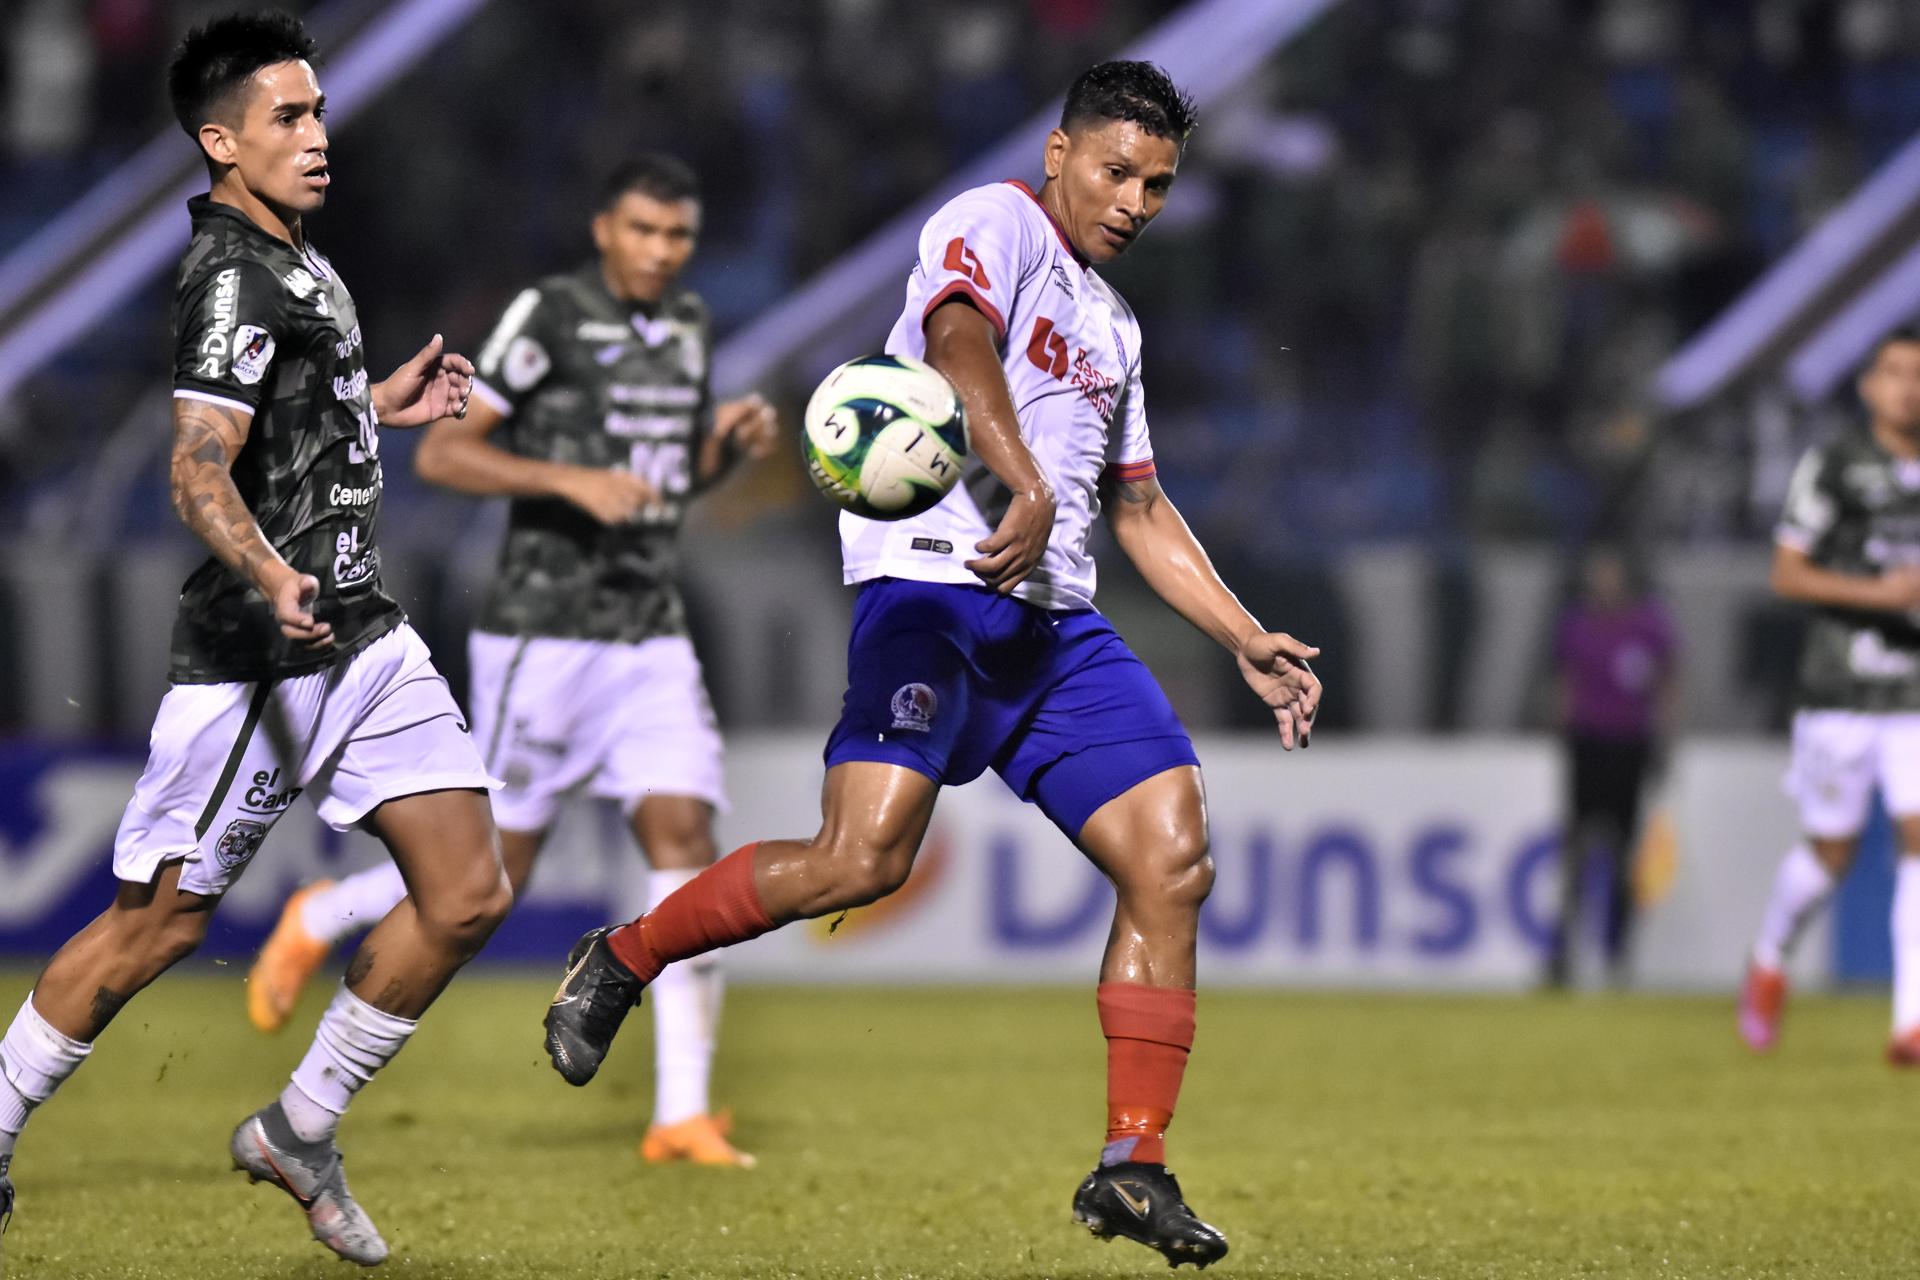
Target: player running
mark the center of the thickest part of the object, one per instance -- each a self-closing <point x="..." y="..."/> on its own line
<point x="1849" y="544"/>
<point x="595" y="383"/>
<point x="292" y="671"/>
<point x="975" y="642"/>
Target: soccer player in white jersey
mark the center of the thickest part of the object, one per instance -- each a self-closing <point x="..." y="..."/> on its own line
<point x="975" y="643"/>
<point x="293" y="671"/>
<point x="595" y="418"/>
<point x="1848" y="546"/>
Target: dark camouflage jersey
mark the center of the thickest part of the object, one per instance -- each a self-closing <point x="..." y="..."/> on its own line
<point x="1854" y="508"/>
<point x="265" y="327"/>
<point x="590" y="380"/>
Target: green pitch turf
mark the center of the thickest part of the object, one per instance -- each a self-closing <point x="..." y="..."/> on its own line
<point x="941" y="1133"/>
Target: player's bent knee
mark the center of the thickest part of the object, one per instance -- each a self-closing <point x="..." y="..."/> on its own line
<point x="866" y="873"/>
<point x="467" y="917"/>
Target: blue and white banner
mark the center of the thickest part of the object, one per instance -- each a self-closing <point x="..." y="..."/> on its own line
<point x="1381" y="862"/>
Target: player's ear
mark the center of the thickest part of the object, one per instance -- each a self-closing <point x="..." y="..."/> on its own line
<point x="602" y="230"/>
<point x="1056" y="152"/>
<point x="218" y="142"/>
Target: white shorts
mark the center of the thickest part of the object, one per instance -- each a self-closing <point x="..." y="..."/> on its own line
<point x="1838" y="759"/>
<point x="226" y="760"/>
<point x="621" y="721"/>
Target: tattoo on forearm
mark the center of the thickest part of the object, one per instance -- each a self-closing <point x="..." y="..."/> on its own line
<point x="106" y="1003"/>
<point x="206" y="439"/>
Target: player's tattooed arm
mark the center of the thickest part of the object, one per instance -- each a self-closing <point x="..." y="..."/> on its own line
<point x="207" y="437"/>
<point x="1155" y="537"/>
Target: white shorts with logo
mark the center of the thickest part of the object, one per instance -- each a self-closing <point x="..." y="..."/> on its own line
<point x="226" y="760"/>
<point x="620" y="721"/>
<point x="1838" y="759"/>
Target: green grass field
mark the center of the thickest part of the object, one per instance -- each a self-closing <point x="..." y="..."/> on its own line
<point x="941" y="1133"/>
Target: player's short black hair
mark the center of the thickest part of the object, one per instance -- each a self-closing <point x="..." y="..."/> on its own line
<point x="653" y="174"/>
<point x="1139" y="92"/>
<point x="219" y="57"/>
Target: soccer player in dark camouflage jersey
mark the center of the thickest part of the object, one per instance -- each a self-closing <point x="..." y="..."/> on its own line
<point x="292" y="668"/>
<point x="1849" y="546"/>
<point x="593" y="417"/>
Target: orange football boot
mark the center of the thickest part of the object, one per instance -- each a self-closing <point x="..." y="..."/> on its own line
<point x="286" y="962"/>
<point x="696" y="1140"/>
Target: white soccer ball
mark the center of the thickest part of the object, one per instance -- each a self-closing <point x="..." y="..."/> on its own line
<point x="885" y="437"/>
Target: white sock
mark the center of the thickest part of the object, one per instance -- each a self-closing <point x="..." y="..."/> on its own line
<point x="1801" y="888"/>
<point x="34" y="1059"/>
<point x="354" y="1040"/>
<point x="686" y="1019"/>
<point x="1906" y="945"/>
<point x="358" y="902"/>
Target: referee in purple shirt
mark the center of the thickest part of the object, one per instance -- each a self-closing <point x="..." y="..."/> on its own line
<point x="1614" y="657"/>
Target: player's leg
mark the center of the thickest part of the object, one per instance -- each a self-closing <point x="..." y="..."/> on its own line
<point x="1832" y="779"/>
<point x="675" y="832"/>
<point x="147" y="929"/>
<point x="904" y="730"/>
<point x="1151" y="842"/>
<point x="1107" y="760"/>
<point x="405" y="766"/>
<point x="873" y="818"/>
<point x="1900" y="787"/>
<point x="209" y="794"/>
<point x="659" y="753"/>
<point x="319" y="915"/>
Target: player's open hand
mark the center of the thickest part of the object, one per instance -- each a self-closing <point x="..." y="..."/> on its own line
<point x="435" y="384"/>
<point x="292" y="598"/>
<point x="1012" y="551"/>
<point x="611" y="497"/>
<point x="1275" y="667"/>
<point x="747" y="428"/>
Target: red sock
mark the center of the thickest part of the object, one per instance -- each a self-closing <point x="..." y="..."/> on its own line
<point x="1149" y="1033"/>
<point x="715" y="909"/>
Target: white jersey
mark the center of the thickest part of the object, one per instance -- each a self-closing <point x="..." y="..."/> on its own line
<point x="1071" y="351"/>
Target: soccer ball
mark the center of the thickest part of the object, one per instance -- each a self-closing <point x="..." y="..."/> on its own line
<point x="885" y="437"/>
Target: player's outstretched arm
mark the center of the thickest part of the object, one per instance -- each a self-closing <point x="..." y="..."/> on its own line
<point x="960" y="344"/>
<point x="744" y="430"/>
<point x="459" y="454"/>
<point x="1157" y="540"/>
<point x="207" y="438"/>
<point x="1796" y="577"/>
<point x="435" y="384"/>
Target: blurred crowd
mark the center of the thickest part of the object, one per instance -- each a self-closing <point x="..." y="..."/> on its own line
<point x="1411" y="284"/>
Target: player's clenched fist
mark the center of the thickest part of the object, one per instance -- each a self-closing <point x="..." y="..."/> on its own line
<point x="293" y="596"/>
<point x="611" y="497"/>
<point x="1013" y="550"/>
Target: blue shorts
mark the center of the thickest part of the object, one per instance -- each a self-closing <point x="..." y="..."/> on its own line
<point x="952" y="680"/>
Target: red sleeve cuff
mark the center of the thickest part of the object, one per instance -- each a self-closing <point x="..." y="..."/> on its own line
<point x="987" y="309"/>
<point x="1129" y="472"/>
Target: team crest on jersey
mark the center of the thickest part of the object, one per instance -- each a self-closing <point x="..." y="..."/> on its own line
<point x="526" y="363"/>
<point x="252" y="353"/>
<point x="914" y="706"/>
<point x="238" y="843"/>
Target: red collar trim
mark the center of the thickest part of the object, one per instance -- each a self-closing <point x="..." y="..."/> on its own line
<point x="1058" y="230"/>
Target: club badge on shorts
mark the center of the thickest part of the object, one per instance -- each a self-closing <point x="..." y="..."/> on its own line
<point x="913" y="707"/>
